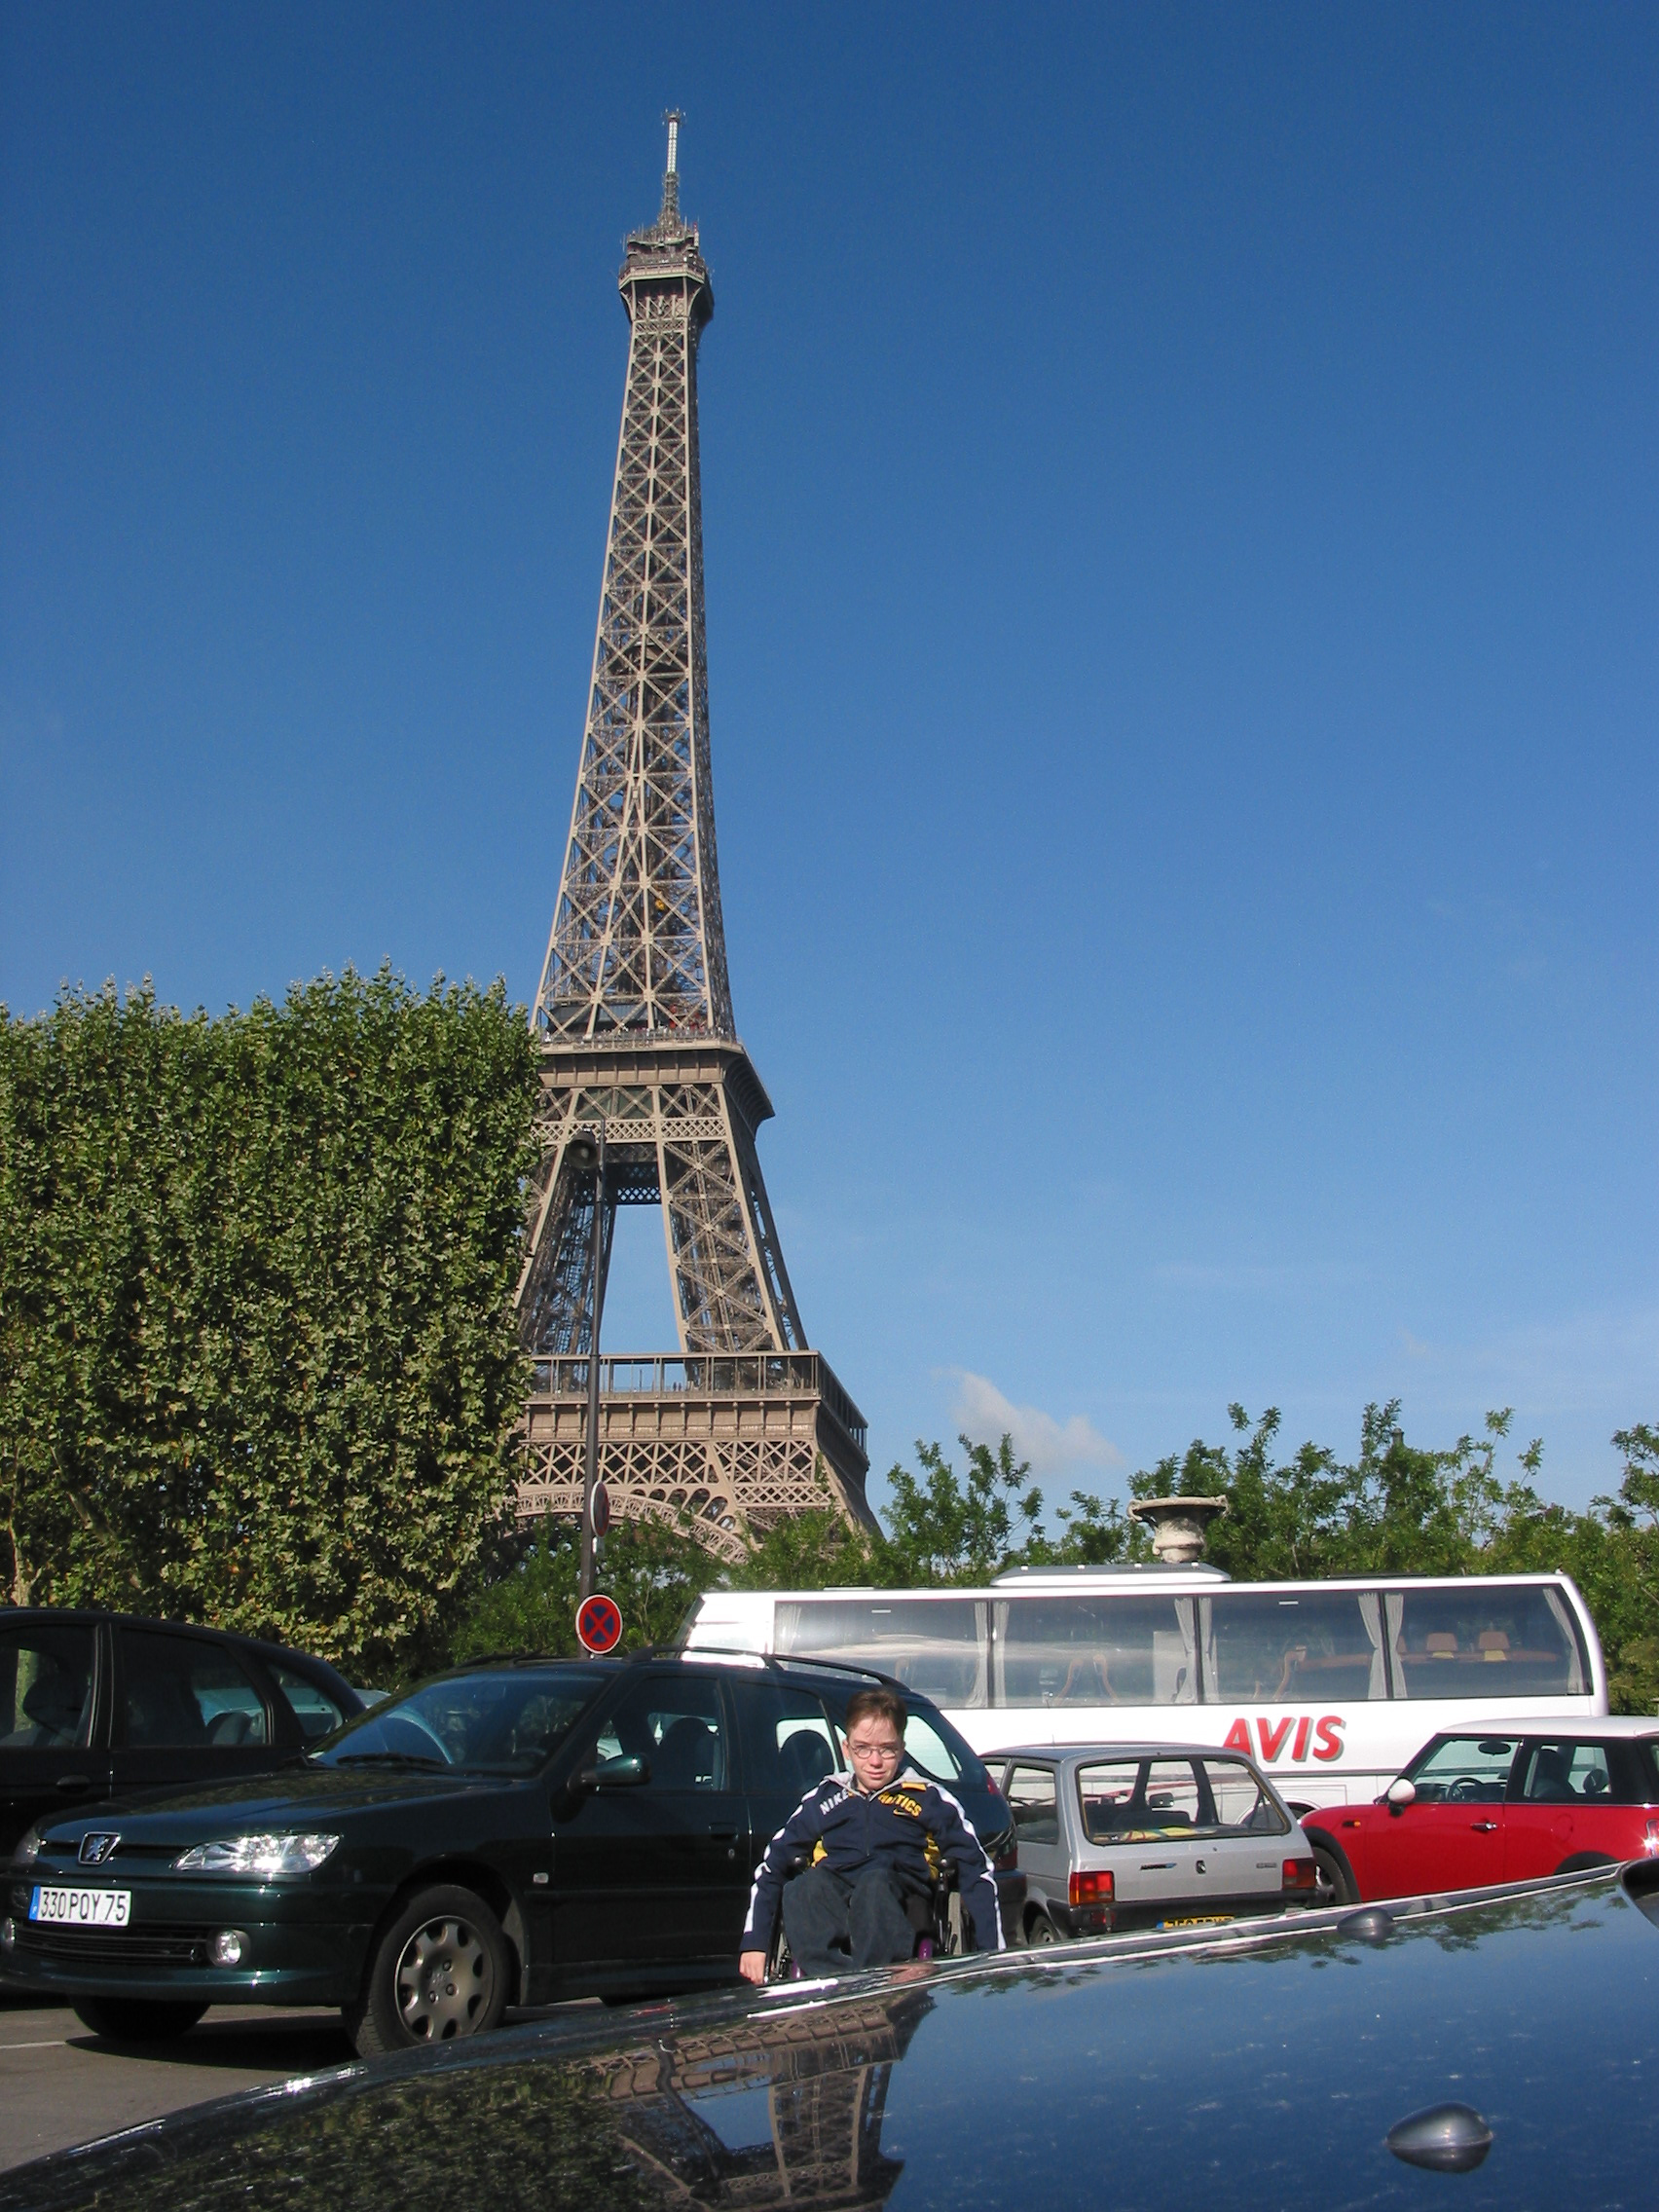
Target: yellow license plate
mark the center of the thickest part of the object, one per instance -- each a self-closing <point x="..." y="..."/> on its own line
<point x="1198" y="1920"/>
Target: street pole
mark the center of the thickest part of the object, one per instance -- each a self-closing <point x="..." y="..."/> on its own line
<point x="590" y="1477"/>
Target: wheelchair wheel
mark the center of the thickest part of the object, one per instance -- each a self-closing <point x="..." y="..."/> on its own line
<point x="954" y="1943"/>
<point x="780" y="1962"/>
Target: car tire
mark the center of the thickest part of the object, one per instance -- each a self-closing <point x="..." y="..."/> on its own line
<point x="441" y="1969"/>
<point x="1041" y="1929"/>
<point x="1334" y="1875"/>
<point x="1581" y="1862"/>
<point x="136" y="2019"/>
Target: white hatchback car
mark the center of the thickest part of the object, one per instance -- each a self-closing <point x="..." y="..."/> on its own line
<point x="1149" y="1836"/>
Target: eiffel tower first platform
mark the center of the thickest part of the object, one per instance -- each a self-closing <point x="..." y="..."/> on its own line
<point x="742" y="1424"/>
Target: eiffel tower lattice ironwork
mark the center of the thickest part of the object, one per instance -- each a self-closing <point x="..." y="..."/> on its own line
<point x="741" y="1425"/>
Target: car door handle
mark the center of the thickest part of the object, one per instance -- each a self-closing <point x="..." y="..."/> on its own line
<point x="722" y="1836"/>
<point x="74" y="1782"/>
<point x="1483" y="1828"/>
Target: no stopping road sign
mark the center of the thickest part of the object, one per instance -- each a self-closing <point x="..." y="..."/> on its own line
<point x="599" y="1625"/>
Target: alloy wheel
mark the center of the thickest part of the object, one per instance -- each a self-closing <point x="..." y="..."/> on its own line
<point x="445" y="1979"/>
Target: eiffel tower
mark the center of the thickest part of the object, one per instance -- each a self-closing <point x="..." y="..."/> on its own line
<point x="742" y="1424"/>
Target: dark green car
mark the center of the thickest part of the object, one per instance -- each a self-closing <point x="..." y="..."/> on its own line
<point x="509" y="1833"/>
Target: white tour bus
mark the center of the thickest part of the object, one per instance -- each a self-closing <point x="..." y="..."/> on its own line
<point x="1330" y="1686"/>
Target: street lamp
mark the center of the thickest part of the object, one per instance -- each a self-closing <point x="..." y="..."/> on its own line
<point x="585" y="1155"/>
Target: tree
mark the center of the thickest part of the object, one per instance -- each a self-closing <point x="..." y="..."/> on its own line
<point x="257" y="1363"/>
<point x="1397" y="1508"/>
<point x="654" y="1573"/>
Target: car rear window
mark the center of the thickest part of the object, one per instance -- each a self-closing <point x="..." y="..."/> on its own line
<point x="1149" y="1799"/>
<point x="1136" y="1800"/>
<point x="1569" y="1771"/>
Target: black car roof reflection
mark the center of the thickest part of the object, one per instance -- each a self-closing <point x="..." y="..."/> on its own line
<point x="1134" y="2070"/>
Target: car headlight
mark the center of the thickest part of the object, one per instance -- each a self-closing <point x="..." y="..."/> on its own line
<point x="28" y="1845"/>
<point x="261" y="1854"/>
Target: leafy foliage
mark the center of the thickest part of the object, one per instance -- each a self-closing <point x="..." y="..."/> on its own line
<point x="1399" y="1509"/>
<point x="256" y="1361"/>
<point x="652" y="1572"/>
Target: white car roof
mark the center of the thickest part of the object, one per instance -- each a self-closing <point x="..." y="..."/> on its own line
<point x="1582" y="1727"/>
<point x="1052" y="1754"/>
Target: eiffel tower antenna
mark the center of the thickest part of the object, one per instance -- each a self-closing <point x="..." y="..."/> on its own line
<point x="647" y="1096"/>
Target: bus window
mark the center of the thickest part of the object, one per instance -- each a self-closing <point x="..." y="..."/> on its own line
<point x="1104" y="1651"/>
<point x="1313" y="1648"/>
<point x="1483" y="1640"/>
<point x="936" y="1646"/>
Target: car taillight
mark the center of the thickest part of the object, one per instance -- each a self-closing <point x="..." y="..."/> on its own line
<point x="1092" y="1888"/>
<point x="991" y="1786"/>
<point x="1301" y="1874"/>
<point x="1651" y="1839"/>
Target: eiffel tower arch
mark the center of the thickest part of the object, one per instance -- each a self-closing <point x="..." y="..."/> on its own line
<point x="742" y="1423"/>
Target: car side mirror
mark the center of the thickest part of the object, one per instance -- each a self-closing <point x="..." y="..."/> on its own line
<point x="615" y="1774"/>
<point x="1401" y="1793"/>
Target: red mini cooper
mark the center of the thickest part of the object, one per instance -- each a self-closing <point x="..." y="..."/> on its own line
<point x="1496" y="1805"/>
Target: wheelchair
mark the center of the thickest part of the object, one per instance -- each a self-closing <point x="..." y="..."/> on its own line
<point x="935" y="1915"/>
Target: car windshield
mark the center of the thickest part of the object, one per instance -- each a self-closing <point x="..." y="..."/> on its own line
<point x="1464" y="1770"/>
<point x="506" y="1720"/>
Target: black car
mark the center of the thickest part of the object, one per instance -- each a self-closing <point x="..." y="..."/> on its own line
<point x="1496" y="2050"/>
<point x="96" y="1705"/>
<point x="507" y="1833"/>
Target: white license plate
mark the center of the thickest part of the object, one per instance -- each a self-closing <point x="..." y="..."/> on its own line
<point x="81" y="1909"/>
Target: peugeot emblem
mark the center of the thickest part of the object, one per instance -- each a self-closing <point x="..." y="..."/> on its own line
<point x="95" y="1849"/>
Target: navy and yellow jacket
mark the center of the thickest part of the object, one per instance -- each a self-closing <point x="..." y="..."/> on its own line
<point x="912" y="1826"/>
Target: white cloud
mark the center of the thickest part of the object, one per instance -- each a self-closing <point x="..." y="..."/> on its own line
<point x="1053" y="1448"/>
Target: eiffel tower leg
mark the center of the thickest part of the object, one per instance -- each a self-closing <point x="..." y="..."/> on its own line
<point x="769" y="1252"/>
<point x="726" y="1297"/>
<point x="556" y="1290"/>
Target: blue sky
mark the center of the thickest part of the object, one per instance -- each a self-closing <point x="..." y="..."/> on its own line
<point x="1179" y="504"/>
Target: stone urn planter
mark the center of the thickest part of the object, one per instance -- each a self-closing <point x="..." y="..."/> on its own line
<point x="1178" y="1526"/>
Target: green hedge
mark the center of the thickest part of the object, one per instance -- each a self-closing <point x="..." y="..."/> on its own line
<point x="257" y="1366"/>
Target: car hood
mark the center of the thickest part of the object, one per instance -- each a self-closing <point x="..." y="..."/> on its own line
<point x="292" y="1797"/>
<point x="1055" y="2076"/>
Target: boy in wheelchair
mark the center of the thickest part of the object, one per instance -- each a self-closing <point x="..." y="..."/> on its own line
<point x="879" y="1841"/>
